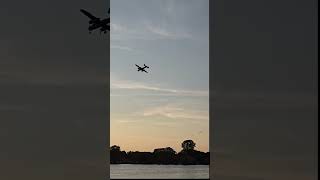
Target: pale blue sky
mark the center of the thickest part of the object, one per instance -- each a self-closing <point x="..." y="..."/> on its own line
<point x="172" y="37"/>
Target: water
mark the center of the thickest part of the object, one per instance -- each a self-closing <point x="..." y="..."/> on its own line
<point x="133" y="171"/>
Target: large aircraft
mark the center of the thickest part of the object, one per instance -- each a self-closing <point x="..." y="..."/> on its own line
<point x="142" y="68"/>
<point x="96" y="23"/>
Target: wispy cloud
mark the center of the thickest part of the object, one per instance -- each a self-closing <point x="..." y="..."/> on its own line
<point x="176" y="112"/>
<point x="146" y="31"/>
<point x="165" y="33"/>
<point x="125" y="48"/>
<point x="131" y="85"/>
<point x="117" y="28"/>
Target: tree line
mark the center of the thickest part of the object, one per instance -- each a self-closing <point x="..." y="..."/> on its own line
<point x="187" y="156"/>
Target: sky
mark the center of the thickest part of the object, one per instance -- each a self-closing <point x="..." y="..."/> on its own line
<point x="171" y="103"/>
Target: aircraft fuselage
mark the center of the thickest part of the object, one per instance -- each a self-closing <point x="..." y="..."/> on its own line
<point x="95" y="23"/>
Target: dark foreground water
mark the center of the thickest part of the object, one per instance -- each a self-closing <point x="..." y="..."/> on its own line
<point x="133" y="171"/>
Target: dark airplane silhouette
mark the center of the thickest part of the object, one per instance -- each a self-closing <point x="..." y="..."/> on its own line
<point x="96" y="23"/>
<point x="142" y="68"/>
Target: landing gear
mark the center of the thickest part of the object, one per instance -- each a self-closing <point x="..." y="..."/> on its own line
<point x="103" y="32"/>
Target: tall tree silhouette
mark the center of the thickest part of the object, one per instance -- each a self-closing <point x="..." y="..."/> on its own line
<point x="188" y="145"/>
<point x="115" y="148"/>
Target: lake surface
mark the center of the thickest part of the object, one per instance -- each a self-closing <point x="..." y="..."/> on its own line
<point x="134" y="171"/>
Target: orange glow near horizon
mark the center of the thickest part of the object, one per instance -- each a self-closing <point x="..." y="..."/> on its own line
<point x="147" y="137"/>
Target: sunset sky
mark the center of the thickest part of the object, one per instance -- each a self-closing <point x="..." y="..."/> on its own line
<point x="170" y="103"/>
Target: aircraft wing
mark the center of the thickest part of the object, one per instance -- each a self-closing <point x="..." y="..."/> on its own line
<point x="89" y="15"/>
<point x="144" y="71"/>
<point x="138" y="66"/>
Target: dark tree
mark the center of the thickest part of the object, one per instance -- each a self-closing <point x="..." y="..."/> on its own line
<point x="117" y="156"/>
<point x="167" y="150"/>
<point x="188" y="145"/>
<point x="165" y="156"/>
<point x="140" y="157"/>
<point x="115" y="148"/>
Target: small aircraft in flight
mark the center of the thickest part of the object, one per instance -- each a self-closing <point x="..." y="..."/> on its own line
<point x="96" y="23"/>
<point x="142" y="68"/>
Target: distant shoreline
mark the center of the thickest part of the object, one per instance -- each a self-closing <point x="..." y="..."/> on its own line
<point x="190" y="157"/>
<point x="160" y="157"/>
